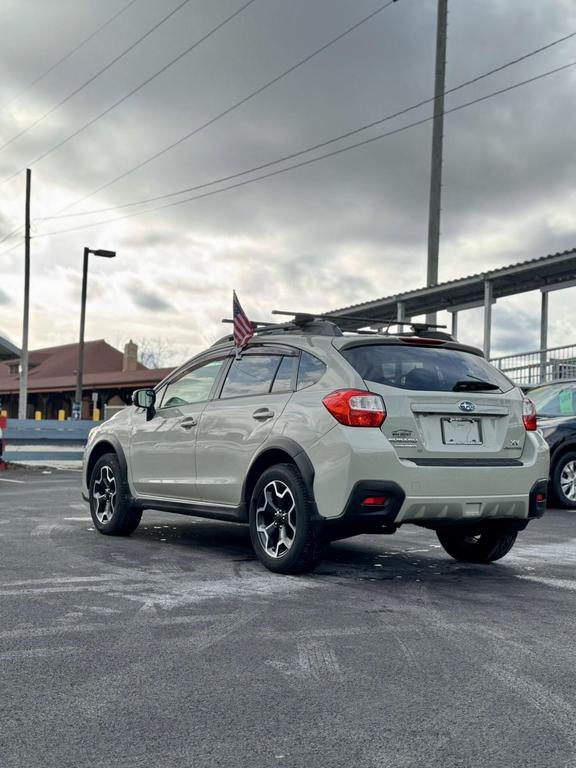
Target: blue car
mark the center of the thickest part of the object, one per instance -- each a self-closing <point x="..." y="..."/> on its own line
<point x="556" y="409"/>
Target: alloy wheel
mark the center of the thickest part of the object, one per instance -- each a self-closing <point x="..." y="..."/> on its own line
<point x="568" y="480"/>
<point x="276" y="518"/>
<point x="104" y="494"/>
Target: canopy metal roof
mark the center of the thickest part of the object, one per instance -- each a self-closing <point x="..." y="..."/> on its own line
<point x="546" y="273"/>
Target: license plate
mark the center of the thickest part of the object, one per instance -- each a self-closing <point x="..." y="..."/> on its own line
<point x="461" y="431"/>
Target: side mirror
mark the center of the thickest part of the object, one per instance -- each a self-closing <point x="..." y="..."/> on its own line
<point x="145" y="398"/>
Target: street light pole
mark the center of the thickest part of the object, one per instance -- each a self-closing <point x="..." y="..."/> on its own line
<point x="77" y="408"/>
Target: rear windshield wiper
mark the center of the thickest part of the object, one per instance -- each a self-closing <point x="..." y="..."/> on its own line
<point x="473" y="385"/>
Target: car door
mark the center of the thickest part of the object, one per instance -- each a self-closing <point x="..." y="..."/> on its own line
<point x="232" y="427"/>
<point x="162" y="457"/>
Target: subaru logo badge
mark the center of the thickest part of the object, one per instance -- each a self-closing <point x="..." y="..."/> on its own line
<point x="466" y="406"/>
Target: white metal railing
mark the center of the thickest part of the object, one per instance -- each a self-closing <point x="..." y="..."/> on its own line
<point x="539" y="366"/>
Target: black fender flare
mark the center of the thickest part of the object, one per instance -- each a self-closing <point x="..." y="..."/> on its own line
<point x="297" y="454"/>
<point x="118" y="449"/>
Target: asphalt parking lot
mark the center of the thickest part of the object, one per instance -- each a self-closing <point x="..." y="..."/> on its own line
<point x="174" y="647"/>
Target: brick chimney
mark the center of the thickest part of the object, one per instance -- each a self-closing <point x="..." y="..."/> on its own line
<point x="130" y="361"/>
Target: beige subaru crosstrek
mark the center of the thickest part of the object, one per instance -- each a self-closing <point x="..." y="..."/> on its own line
<point x="313" y="435"/>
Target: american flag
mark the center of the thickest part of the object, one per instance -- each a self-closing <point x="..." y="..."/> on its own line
<point x="243" y="330"/>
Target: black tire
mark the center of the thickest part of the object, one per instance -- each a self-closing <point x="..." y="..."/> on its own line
<point x="479" y="545"/>
<point x="306" y="547"/>
<point x="556" y="480"/>
<point x="111" y="512"/>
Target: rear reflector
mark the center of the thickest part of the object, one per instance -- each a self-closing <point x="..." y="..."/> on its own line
<point x="529" y="415"/>
<point x="374" y="501"/>
<point x="356" y="407"/>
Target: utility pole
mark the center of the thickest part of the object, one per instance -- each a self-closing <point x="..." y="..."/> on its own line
<point x="437" y="145"/>
<point x="23" y="397"/>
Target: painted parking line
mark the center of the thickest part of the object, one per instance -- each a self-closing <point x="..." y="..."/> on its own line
<point x="8" y="480"/>
<point x="38" y="653"/>
<point x="551" y="582"/>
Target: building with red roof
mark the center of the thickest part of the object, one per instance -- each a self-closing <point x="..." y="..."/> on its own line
<point x="109" y="378"/>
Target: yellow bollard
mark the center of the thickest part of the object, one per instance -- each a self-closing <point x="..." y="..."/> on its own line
<point x="38" y="415"/>
<point x="61" y="415"/>
<point x="96" y="414"/>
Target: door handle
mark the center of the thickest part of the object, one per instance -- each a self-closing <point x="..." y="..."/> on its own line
<point x="187" y="423"/>
<point x="263" y="414"/>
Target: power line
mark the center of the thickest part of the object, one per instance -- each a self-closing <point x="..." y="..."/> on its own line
<point x="12" y="247"/>
<point x="303" y="163"/>
<point x="133" y="91"/>
<point x="67" y="55"/>
<point x="180" y="56"/>
<point x="321" y="144"/>
<point x="91" y="80"/>
<point x="234" y="106"/>
<point x="11" y="234"/>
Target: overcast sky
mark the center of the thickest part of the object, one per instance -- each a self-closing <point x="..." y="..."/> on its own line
<point x="344" y="230"/>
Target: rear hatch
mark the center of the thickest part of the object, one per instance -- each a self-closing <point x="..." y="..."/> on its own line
<point x="444" y="402"/>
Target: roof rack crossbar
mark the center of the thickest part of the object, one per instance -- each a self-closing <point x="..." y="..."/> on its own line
<point x="307" y="320"/>
<point x="305" y="316"/>
<point x="256" y="324"/>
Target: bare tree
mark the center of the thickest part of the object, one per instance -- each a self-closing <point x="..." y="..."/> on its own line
<point x="153" y="352"/>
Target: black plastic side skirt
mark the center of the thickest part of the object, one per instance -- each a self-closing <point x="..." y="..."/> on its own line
<point x="210" y="511"/>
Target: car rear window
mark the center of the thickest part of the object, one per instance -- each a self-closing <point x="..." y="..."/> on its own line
<point x="424" y="368"/>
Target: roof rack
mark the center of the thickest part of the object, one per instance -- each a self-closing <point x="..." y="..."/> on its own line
<point x="328" y="325"/>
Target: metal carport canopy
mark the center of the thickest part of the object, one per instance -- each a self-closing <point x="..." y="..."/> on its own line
<point x="546" y="273"/>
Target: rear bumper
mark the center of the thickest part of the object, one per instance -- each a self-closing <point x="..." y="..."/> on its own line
<point x="358" y="517"/>
<point x="451" y="509"/>
<point x="397" y="509"/>
<point x="429" y="492"/>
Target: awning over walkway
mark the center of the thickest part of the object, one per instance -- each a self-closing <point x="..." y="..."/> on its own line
<point x="468" y="292"/>
<point x="545" y="274"/>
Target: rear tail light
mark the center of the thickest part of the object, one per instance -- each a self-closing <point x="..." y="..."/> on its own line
<point x="356" y="407"/>
<point x="529" y="415"/>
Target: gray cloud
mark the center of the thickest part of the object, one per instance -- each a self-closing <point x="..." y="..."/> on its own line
<point x="344" y="230"/>
<point x="4" y="298"/>
<point x="149" y="300"/>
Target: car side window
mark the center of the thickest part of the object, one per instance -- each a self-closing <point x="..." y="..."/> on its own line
<point x="310" y="370"/>
<point x="283" y="380"/>
<point x="251" y="375"/>
<point x="192" y="386"/>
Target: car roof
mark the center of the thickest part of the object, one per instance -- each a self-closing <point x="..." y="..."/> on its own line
<point x="322" y="343"/>
<point x="554" y="383"/>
